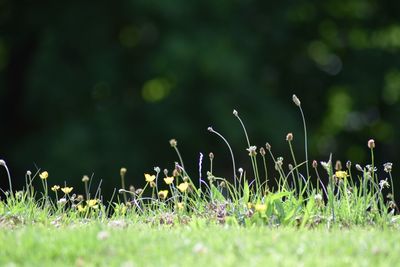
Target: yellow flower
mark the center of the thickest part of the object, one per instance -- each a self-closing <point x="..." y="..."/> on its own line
<point x="249" y="205"/>
<point x="163" y="194"/>
<point x="183" y="186"/>
<point x="180" y="205"/>
<point x="44" y="175"/>
<point x="67" y="190"/>
<point x="260" y="207"/>
<point x="92" y="203"/>
<point x="169" y="180"/>
<point x="341" y="174"/>
<point x="81" y="208"/>
<point x="149" y="178"/>
<point x="55" y="188"/>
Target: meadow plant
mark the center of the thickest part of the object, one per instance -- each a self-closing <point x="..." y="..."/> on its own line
<point x="352" y="195"/>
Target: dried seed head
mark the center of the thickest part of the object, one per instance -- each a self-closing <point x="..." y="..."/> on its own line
<point x="314" y="164"/>
<point x="348" y="164"/>
<point x="175" y="172"/>
<point x="371" y="144"/>
<point x="338" y="165"/>
<point x="2" y="162"/>
<point x="211" y="156"/>
<point x="210" y="129"/>
<point x="240" y="170"/>
<point x="235" y="112"/>
<point x="157" y="170"/>
<point x="387" y="167"/>
<point x="29" y="173"/>
<point x="85" y="178"/>
<point x="165" y="172"/>
<point x="122" y="172"/>
<point x="289" y="137"/>
<point x="173" y="143"/>
<point x="252" y="151"/>
<point x="359" y="168"/>
<point x="268" y="146"/>
<point x="296" y="100"/>
<point x="262" y="151"/>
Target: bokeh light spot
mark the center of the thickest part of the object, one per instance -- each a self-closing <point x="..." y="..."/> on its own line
<point x="156" y="89"/>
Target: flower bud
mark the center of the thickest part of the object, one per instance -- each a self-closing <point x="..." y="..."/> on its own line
<point x="296" y="100"/>
<point x="371" y="144"/>
<point x="289" y="137"/>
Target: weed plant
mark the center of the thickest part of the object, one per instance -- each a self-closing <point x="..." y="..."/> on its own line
<point x="291" y="194"/>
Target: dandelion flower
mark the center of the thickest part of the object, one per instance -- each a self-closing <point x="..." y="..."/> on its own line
<point x="44" y="175"/>
<point x="341" y="174"/>
<point x="169" y="180"/>
<point x="183" y="186"/>
<point x="180" y="205"/>
<point x="67" y="190"/>
<point x="260" y="207"/>
<point x="55" y="188"/>
<point x="163" y="194"/>
<point x="149" y="178"/>
<point x="92" y="203"/>
<point x="81" y="208"/>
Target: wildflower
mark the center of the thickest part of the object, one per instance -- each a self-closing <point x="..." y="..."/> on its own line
<point x="289" y="137"/>
<point x="359" y="168"/>
<point x="314" y="164"/>
<point x="326" y="165"/>
<point x="163" y="194"/>
<point x="387" y="167"/>
<point x="383" y="184"/>
<point x="67" y="190"/>
<point x="260" y="207"/>
<point x="44" y="175"/>
<point x="152" y="184"/>
<point x="81" y="208"/>
<point x="348" y="164"/>
<point x="249" y="205"/>
<point x="211" y="156"/>
<point x="149" y="178"/>
<point x="92" y="203"/>
<point x="296" y="100"/>
<point x="268" y="146"/>
<point x="157" y="169"/>
<point x="169" y="180"/>
<point x="29" y="173"/>
<point x="85" y="179"/>
<point x="55" y="188"/>
<point x="173" y="143"/>
<point x="341" y="174"/>
<point x="370" y="169"/>
<point x="371" y="144"/>
<point x="62" y="201"/>
<point x="318" y="198"/>
<point x="279" y="163"/>
<point x="262" y="151"/>
<point x="123" y="171"/>
<point x="180" y="205"/>
<point x="183" y="186"/>
<point x="252" y="151"/>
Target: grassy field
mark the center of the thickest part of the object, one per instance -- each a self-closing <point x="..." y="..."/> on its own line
<point x="298" y="214"/>
<point x="121" y="243"/>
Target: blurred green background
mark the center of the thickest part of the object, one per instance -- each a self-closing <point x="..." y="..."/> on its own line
<point x="87" y="87"/>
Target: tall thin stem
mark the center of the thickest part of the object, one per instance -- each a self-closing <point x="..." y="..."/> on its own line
<point x="210" y="129"/>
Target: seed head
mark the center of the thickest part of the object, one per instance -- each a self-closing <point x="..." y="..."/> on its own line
<point x="157" y="169"/>
<point x="289" y="137"/>
<point x="268" y="146"/>
<point x="314" y="164"/>
<point x="348" y="164"/>
<point x="122" y="171"/>
<point x="338" y="165"/>
<point x="359" y="168"/>
<point x="262" y="151"/>
<point x="165" y="172"/>
<point x="252" y="151"/>
<point x="371" y="144"/>
<point x="210" y="129"/>
<point x="29" y="173"/>
<point x="296" y="100"/>
<point x="235" y="112"/>
<point x="173" y="143"/>
<point x="2" y="162"/>
<point x="387" y="167"/>
<point x="85" y="178"/>
<point x="211" y="156"/>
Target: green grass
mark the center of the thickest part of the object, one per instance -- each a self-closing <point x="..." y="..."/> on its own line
<point x="332" y="215"/>
<point x="128" y="244"/>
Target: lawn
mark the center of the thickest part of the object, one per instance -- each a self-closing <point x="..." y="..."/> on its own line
<point x="123" y="243"/>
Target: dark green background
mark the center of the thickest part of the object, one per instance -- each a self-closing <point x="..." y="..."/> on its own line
<point x="91" y="86"/>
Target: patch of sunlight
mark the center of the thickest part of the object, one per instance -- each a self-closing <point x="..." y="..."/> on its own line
<point x="391" y="90"/>
<point x="156" y="89"/>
